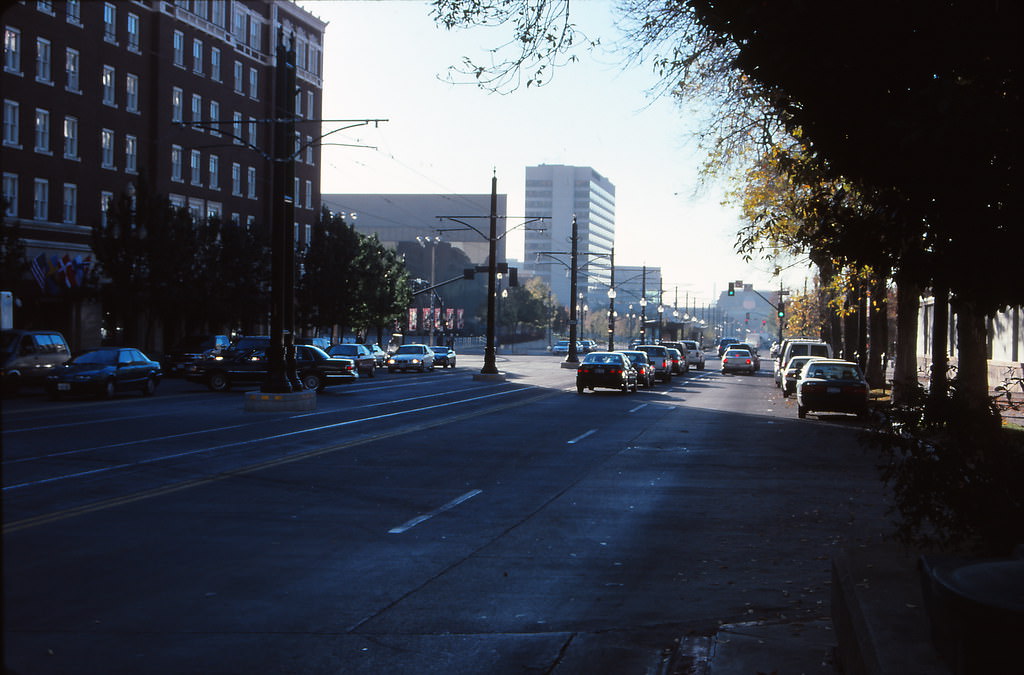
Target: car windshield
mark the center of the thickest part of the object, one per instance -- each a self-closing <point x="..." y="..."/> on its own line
<point x="440" y="348"/>
<point x="103" y="357"/>
<point x="348" y="350"/>
<point x="193" y="343"/>
<point x="613" y="359"/>
<point x="653" y="351"/>
<point x="410" y="349"/>
<point x="637" y="357"/>
<point x="798" y="362"/>
<point x="738" y="354"/>
<point x="835" y="371"/>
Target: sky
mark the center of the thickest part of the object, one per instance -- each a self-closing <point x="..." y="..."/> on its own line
<point x="386" y="60"/>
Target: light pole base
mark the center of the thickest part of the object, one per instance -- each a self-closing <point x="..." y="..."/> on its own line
<point x="296" y="401"/>
<point x="570" y="364"/>
<point x="490" y="377"/>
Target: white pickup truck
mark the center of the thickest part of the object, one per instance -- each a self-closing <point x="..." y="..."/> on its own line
<point x="659" y="358"/>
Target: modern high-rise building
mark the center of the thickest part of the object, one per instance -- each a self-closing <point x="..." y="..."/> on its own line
<point x="102" y="99"/>
<point x="559" y="193"/>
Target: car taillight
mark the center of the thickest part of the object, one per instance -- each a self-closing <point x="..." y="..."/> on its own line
<point x="724" y="361"/>
<point x="616" y="371"/>
<point x="749" y="362"/>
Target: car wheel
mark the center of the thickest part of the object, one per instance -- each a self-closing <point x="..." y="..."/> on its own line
<point x="801" y="412"/>
<point x="312" y="381"/>
<point x="53" y="394"/>
<point x="636" y="387"/>
<point x="452" y="365"/>
<point x="109" y="387"/>
<point x="150" y="387"/>
<point x="579" y="388"/>
<point x="700" y="367"/>
<point x="785" y="393"/>
<point x="218" y="381"/>
<point x="391" y="370"/>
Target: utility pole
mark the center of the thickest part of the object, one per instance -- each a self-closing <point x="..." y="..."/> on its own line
<point x="643" y="307"/>
<point x="611" y="305"/>
<point x="572" y="356"/>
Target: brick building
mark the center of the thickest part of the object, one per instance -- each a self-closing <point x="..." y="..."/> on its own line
<point x="102" y="97"/>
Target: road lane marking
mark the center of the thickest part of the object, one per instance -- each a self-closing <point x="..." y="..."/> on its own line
<point x="409" y="524"/>
<point x="642" y="405"/>
<point x="581" y="437"/>
<point x="177" y="455"/>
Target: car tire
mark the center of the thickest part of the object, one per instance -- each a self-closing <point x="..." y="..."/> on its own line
<point x="218" y="381"/>
<point x="149" y="388"/>
<point x="635" y="388"/>
<point x="700" y="367"/>
<point x="53" y="394"/>
<point x="109" y="388"/>
<point x="373" y="372"/>
<point x="312" y="381"/>
<point x="801" y="412"/>
<point x="391" y="370"/>
<point x="579" y="388"/>
<point x="785" y="394"/>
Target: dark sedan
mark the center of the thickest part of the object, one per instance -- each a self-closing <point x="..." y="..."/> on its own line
<point x="315" y="368"/>
<point x="830" y="385"/>
<point x="608" y="370"/>
<point x="644" y="368"/>
<point x="366" y="364"/>
<point x="104" y="372"/>
<point x="444" y="356"/>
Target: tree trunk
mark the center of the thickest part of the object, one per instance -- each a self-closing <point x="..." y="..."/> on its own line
<point x="851" y="322"/>
<point x="972" y="394"/>
<point x="939" y="385"/>
<point x="879" y="329"/>
<point x="908" y="303"/>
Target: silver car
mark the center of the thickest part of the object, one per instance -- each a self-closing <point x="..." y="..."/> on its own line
<point x="412" y="357"/>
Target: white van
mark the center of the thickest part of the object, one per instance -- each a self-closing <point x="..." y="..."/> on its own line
<point x="800" y="348"/>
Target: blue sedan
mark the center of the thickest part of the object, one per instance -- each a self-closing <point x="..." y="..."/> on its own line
<point x="104" y="372"/>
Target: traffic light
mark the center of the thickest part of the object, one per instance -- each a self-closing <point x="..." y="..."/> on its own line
<point x="782" y="310"/>
<point x="732" y="288"/>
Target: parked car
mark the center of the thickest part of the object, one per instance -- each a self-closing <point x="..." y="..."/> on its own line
<point x="587" y="346"/>
<point x="644" y="368"/>
<point x="29" y="356"/>
<point x="694" y="354"/>
<point x="412" y="357"/>
<point x="831" y="385"/>
<point x="444" y="356"/>
<point x="791" y="376"/>
<point x="608" y="370"/>
<point x="738" y="361"/>
<point x="366" y="364"/>
<point x="561" y="348"/>
<point x="314" y="367"/>
<point x="660" y="359"/>
<point x="680" y="365"/>
<point x="379" y="355"/>
<point x="191" y="348"/>
<point x="104" y="372"/>
<point x="800" y="348"/>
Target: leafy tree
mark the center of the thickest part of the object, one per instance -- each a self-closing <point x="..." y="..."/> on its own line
<point x="13" y="263"/>
<point x="328" y="292"/>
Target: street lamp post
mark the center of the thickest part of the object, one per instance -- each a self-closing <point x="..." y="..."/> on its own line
<point x="432" y="242"/>
<point x="643" y="319"/>
<point x="611" y="318"/>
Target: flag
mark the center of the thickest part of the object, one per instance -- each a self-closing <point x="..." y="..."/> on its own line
<point x="37" y="271"/>
<point x="412" y="319"/>
<point x="82" y="269"/>
<point x="460" y="323"/>
<point x="67" y="271"/>
<point x="54" y="275"/>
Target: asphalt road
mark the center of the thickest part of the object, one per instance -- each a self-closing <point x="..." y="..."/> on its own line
<point x="420" y="523"/>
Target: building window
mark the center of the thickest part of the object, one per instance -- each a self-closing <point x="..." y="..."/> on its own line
<point x="134" y="37"/>
<point x="254" y="84"/>
<point x="73" y="12"/>
<point x="214" y="121"/>
<point x="214" y="64"/>
<point x="108" y="78"/>
<point x="131" y="154"/>
<point x="297" y="152"/>
<point x="12" y="123"/>
<point x="12" y="50"/>
<point x="254" y="34"/>
<point x="236" y="128"/>
<point x="70" y="137"/>
<point x="179" y="49"/>
<point x="197" y="57"/>
<point x="197" y="112"/>
<point x="106" y="199"/>
<point x="44" y="61"/>
<point x="176" y="163"/>
<point x="310" y="100"/>
<point x="199" y="7"/>
<point x="71" y="69"/>
<point x="309" y="233"/>
<point x="70" y="203"/>
<point x="131" y="93"/>
<point x="236" y="179"/>
<point x="300" y="54"/>
<point x="45" y="6"/>
<point x="309" y="194"/>
<point x="298" y="102"/>
<point x="11" y="193"/>
<point x="238" y="24"/>
<point x="42" y="130"/>
<point x="196" y="167"/>
<point x="252" y="132"/>
<point x="219" y="13"/>
<point x="250" y="176"/>
<point x="214" y="172"/>
<point x="107" y="148"/>
<point x="238" y="77"/>
<point x="41" y="199"/>
<point x="309" y="150"/>
<point x="109" y="22"/>
<point x="296" y="195"/>
<point x="176" y="103"/>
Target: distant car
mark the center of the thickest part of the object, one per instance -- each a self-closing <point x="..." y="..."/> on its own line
<point x="379" y="355"/>
<point x="694" y="354"/>
<point x="608" y="370"/>
<point x="744" y="347"/>
<point x="660" y="359"/>
<point x="189" y="349"/>
<point x="679" y="366"/>
<point x="831" y="385"/>
<point x="790" y="377"/>
<point x="366" y="364"/>
<point x="644" y="369"/>
<point x="314" y="367"/>
<point x="724" y="343"/>
<point x="799" y="347"/>
<point x="587" y="346"/>
<point x="104" y="372"/>
<point x="412" y="357"/>
<point x="444" y="356"/>
<point x="560" y="348"/>
<point x="738" y="361"/>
